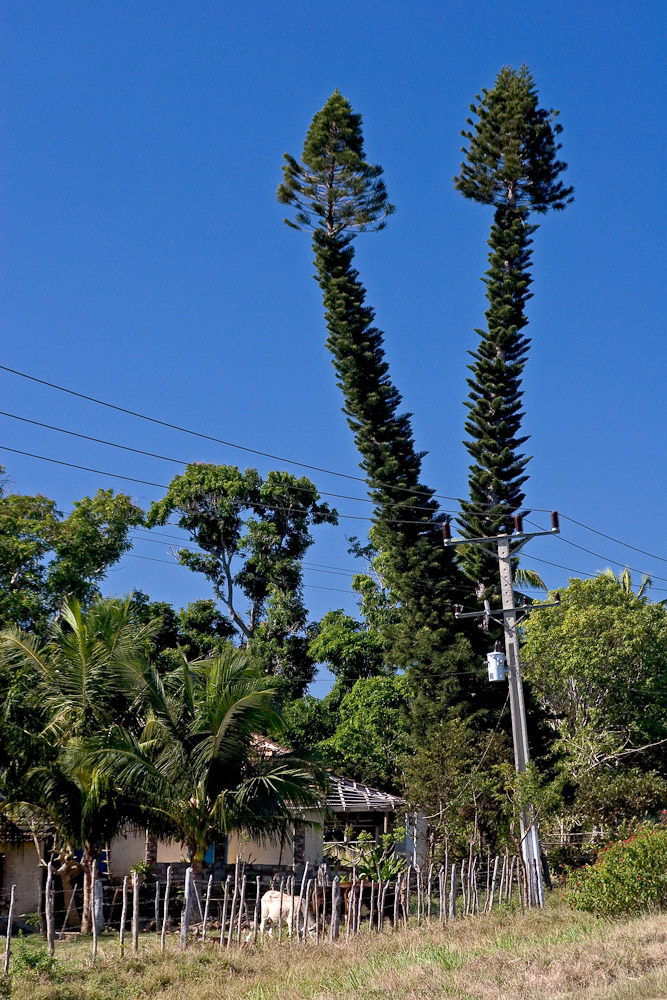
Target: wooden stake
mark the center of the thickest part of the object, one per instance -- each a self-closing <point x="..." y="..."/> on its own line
<point x="69" y="909"/>
<point x="135" y="913"/>
<point x="397" y="893"/>
<point x="240" y="917"/>
<point x="93" y="908"/>
<point x="257" y="906"/>
<point x="335" y="909"/>
<point x="48" y="905"/>
<point x="234" y="898"/>
<point x="428" y="894"/>
<point x="207" y="906"/>
<point x="166" y="907"/>
<point x="157" y="906"/>
<point x="10" y="921"/>
<point x="349" y="916"/>
<point x="492" y="891"/>
<point x="370" y="919"/>
<point x="187" y="908"/>
<point x="298" y="912"/>
<point x="224" y="911"/>
<point x="452" y="895"/>
<point x="123" y="919"/>
<point x="280" y="913"/>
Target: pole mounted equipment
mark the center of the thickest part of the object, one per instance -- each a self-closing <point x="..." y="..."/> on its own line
<point x="500" y="666"/>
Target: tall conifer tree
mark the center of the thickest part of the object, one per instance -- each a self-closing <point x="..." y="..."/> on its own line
<point x="337" y="194"/>
<point x="511" y="163"/>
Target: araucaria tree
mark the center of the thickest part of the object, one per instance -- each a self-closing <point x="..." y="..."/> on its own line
<point x="511" y="163"/>
<point x="337" y="194"/>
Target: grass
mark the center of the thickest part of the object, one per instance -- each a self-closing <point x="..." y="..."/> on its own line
<point x="554" y="953"/>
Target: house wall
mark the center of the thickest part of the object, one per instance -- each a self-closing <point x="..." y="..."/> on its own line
<point x="20" y="867"/>
<point x="130" y="847"/>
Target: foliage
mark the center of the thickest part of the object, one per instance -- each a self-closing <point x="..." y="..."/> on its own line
<point x="371" y="735"/>
<point x="449" y="778"/>
<point x="46" y="557"/>
<point x="371" y="860"/>
<point x="33" y="961"/>
<point x="598" y="664"/>
<point x="197" y="761"/>
<point x="196" y="631"/>
<point x="336" y="194"/>
<point x="73" y="688"/>
<point x="628" y="877"/>
<point x="511" y="164"/>
<point x="252" y="534"/>
<point x="349" y="650"/>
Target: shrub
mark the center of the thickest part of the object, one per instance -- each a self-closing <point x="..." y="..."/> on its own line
<point x="628" y="876"/>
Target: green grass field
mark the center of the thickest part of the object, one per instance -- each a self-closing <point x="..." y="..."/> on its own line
<point x="547" y="955"/>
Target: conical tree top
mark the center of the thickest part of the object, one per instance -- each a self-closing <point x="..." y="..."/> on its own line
<point x="511" y="158"/>
<point x="334" y="189"/>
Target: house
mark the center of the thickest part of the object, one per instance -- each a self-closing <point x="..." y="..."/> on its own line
<point x="349" y="808"/>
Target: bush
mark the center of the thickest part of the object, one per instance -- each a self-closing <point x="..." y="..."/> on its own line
<point x="628" y="876"/>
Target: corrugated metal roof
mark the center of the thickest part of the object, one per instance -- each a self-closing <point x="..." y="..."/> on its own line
<point x="346" y="795"/>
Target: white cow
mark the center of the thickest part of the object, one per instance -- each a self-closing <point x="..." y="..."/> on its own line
<point x="273" y="913"/>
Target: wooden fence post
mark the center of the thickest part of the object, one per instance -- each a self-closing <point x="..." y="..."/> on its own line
<point x="225" y="901"/>
<point x="135" y="913"/>
<point x="48" y="907"/>
<point x="207" y="906"/>
<point x="428" y="894"/>
<point x="187" y="907"/>
<point x="93" y="907"/>
<point x="123" y="919"/>
<point x="280" y="912"/>
<point x="407" y="894"/>
<point x="492" y="891"/>
<point x="10" y="921"/>
<point x="258" y="902"/>
<point x="452" y="895"/>
<point x="166" y="908"/>
<point x="298" y="912"/>
<point x="397" y="893"/>
<point x="240" y="917"/>
<point x="335" y="909"/>
<point x="372" y="906"/>
<point x="157" y="906"/>
<point x="234" y="898"/>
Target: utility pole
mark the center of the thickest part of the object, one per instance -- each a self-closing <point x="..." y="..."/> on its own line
<point x="506" y="546"/>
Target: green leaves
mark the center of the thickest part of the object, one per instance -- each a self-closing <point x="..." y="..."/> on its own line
<point x="334" y="189"/>
<point x="252" y="534"/>
<point x="511" y="154"/>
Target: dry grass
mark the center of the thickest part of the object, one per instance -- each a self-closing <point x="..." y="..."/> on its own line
<point x="553" y="954"/>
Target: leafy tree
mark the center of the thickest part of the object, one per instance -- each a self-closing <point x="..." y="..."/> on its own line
<point x="371" y="737"/>
<point x="511" y="163"/>
<point x="59" y="695"/>
<point x="196" y="631"/>
<point x="349" y="649"/>
<point x="598" y="665"/>
<point x="46" y="557"/>
<point x="336" y="194"/>
<point x="252" y="535"/>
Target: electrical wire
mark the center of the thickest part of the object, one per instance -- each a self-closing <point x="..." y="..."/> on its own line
<point x="184" y="462"/>
<point x="163" y="486"/>
<point x="426" y="493"/>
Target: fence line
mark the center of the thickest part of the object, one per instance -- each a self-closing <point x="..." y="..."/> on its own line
<point x="416" y="896"/>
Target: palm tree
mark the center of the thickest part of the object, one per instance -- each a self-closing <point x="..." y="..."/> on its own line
<point x="75" y="687"/>
<point x="198" y="767"/>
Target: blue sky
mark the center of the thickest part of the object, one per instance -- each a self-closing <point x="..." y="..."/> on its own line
<point x="146" y="263"/>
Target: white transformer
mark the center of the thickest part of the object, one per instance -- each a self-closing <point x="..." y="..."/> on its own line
<point x="496" y="666"/>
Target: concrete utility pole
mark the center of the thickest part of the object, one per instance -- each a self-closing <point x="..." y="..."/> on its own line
<point x="506" y="546"/>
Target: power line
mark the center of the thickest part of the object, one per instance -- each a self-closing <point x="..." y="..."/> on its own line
<point x="610" y="538"/>
<point x="428" y="494"/>
<point x="145" y="482"/>
<point x="169" y="562"/>
<point x="183" y="461"/>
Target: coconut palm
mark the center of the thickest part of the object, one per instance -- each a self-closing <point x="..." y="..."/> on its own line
<point x="198" y="766"/>
<point x="75" y="687"/>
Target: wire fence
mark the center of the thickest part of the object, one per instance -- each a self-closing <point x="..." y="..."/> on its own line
<point x="245" y="908"/>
